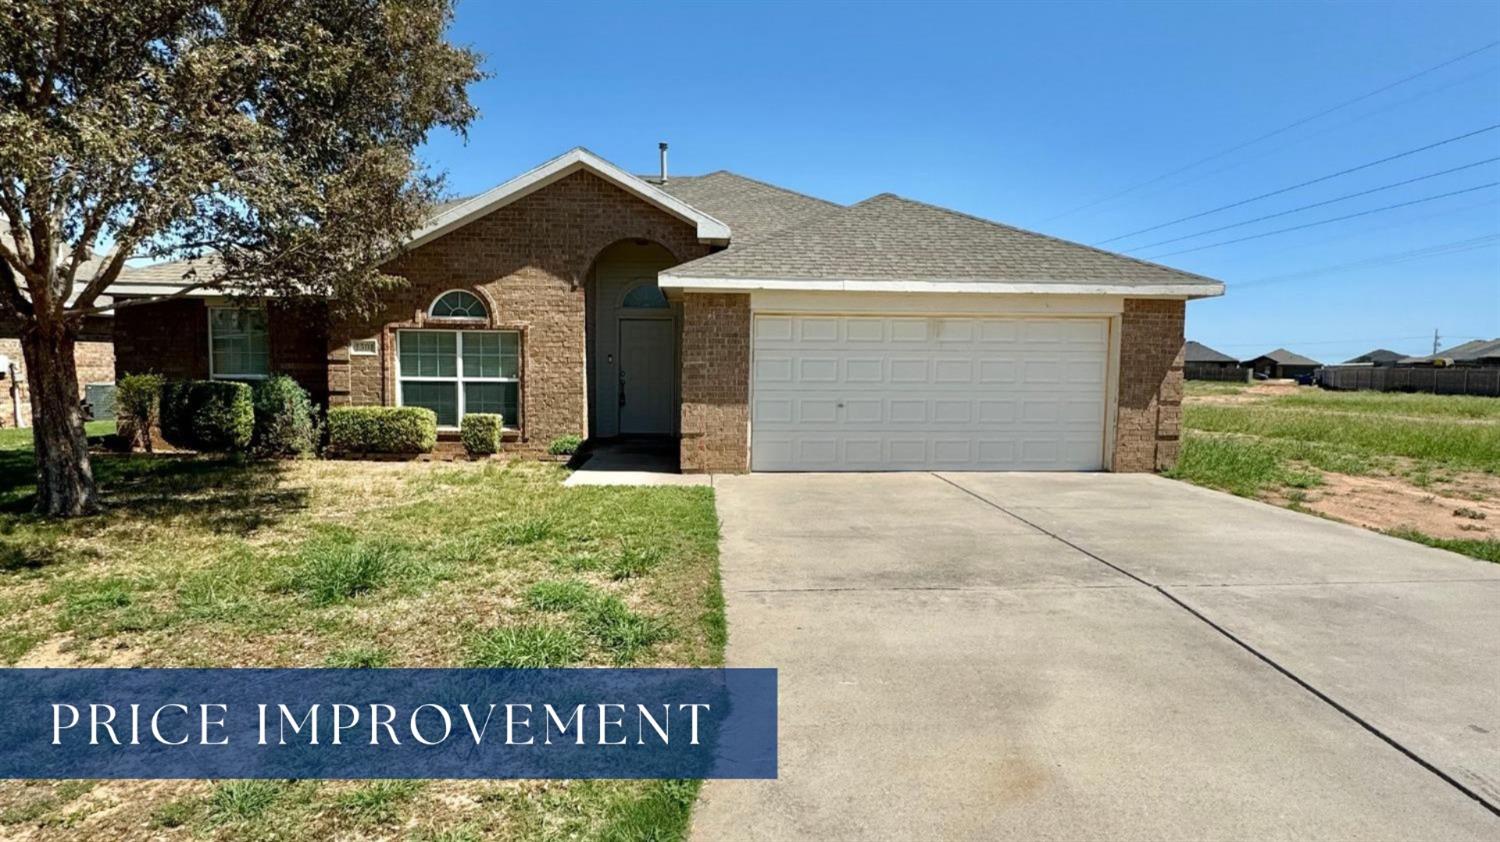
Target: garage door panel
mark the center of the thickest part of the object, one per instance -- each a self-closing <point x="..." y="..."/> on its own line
<point x="907" y="393"/>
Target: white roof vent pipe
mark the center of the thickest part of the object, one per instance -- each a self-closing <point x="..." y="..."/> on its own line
<point x="662" y="148"/>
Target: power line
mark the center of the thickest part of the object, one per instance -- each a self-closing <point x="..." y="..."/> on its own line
<point x="1286" y="128"/>
<point x="1192" y="179"/>
<point x="1300" y="185"/>
<point x="1438" y="250"/>
<point x="1404" y="222"/>
<point x="1327" y="221"/>
<point x="1335" y="200"/>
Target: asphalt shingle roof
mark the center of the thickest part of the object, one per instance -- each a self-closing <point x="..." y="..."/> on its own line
<point x="1285" y="357"/>
<point x="752" y="209"/>
<point x="1379" y="355"/>
<point x="890" y="238"/>
<point x="1197" y="352"/>
<point x="1471" y="351"/>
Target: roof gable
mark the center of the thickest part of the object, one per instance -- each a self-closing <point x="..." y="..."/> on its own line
<point x="891" y="243"/>
<point x="1285" y="357"/>
<point x="1197" y="352"/>
<point x="455" y="215"/>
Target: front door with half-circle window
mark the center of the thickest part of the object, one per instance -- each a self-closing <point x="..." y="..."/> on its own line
<point x="647" y="365"/>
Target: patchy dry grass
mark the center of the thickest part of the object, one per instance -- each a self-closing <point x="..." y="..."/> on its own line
<point x="1399" y="463"/>
<point x="211" y="562"/>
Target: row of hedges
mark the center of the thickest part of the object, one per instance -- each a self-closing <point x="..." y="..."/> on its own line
<point x="273" y="417"/>
<point x="276" y="417"/>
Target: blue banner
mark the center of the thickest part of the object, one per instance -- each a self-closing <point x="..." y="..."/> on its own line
<point x="387" y="723"/>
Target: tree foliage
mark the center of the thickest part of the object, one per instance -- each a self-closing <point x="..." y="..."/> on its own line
<point x="268" y="142"/>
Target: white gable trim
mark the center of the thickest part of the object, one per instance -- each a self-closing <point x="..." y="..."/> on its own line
<point x="709" y="229"/>
<point x="1207" y="289"/>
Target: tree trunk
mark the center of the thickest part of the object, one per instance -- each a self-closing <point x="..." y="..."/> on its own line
<point x="64" y="478"/>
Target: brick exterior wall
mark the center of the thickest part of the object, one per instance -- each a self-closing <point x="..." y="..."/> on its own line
<point x="1149" y="424"/>
<point x="169" y="338"/>
<point x="715" y="383"/>
<point x="530" y="262"/>
<point x="94" y="356"/>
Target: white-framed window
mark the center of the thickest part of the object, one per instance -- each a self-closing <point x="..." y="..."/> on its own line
<point x="455" y="372"/>
<point x="458" y="304"/>
<point x="237" y="344"/>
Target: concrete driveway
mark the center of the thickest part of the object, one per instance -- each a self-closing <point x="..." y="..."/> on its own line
<point x="1099" y="656"/>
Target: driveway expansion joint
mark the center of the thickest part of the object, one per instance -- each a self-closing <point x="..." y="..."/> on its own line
<point x="1284" y="671"/>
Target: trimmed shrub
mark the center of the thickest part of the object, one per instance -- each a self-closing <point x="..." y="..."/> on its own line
<point x="211" y="415"/>
<point x="285" y="418"/>
<point x="138" y="408"/>
<point x="382" y="429"/>
<point x="565" y="445"/>
<point x="480" y="432"/>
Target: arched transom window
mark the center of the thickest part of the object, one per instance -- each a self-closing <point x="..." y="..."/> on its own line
<point x="458" y="304"/>
<point x="647" y="296"/>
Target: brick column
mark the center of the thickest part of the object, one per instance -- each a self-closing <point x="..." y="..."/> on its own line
<point x="715" y="383"/>
<point x="1149" y="423"/>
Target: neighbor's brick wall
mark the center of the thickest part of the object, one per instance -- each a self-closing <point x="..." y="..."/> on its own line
<point x="94" y="356"/>
<point x="1149" y="423"/>
<point x="529" y="261"/>
<point x="715" y="383"/>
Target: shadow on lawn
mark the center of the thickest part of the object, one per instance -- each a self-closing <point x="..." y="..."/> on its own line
<point x="214" y="494"/>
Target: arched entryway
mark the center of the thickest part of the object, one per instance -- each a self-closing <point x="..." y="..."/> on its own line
<point x="632" y="343"/>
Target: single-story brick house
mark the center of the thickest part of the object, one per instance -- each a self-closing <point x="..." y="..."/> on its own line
<point x="1282" y="364"/>
<point x="761" y="328"/>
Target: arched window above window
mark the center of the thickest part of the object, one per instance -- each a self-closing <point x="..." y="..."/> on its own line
<point x="645" y="297"/>
<point x="458" y="304"/>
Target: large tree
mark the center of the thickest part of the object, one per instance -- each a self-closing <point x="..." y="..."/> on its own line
<point x="268" y="141"/>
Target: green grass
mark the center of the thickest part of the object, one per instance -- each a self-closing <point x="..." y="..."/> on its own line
<point x="531" y="646"/>
<point x="1213" y="387"/>
<point x="1284" y="444"/>
<point x="1240" y="465"/>
<point x="1392" y="403"/>
<point x="201" y="561"/>
<point x="12" y="438"/>
<point x="1466" y="445"/>
<point x="1487" y="549"/>
<point x="242" y="801"/>
<point x="377" y="802"/>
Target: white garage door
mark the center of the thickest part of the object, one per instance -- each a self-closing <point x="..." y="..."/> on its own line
<point x="864" y="393"/>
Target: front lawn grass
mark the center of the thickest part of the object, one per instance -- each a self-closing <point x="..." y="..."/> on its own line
<point x="1459" y="444"/>
<point x="218" y="562"/>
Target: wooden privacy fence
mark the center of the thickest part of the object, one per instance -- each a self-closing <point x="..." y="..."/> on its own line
<point x="1438" y="381"/>
<point x="1200" y="371"/>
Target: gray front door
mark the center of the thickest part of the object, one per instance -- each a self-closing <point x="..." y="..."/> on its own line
<point x="647" y="363"/>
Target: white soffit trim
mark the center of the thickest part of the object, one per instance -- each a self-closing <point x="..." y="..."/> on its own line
<point x="1202" y="290"/>
<point x="709" y="228"/>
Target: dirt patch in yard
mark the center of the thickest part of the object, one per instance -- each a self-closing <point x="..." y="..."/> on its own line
<point x="1250" y="394"/>
<point x="1468" y="506"/>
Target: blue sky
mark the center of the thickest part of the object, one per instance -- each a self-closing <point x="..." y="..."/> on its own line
<point x="1027" y="113"/>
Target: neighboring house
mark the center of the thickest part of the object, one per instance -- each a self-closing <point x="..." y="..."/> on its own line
<point x="94" y="357"/>
<point x="764" y="329"/>
<point x="1200" y="362"/>
<point x="1378" y="357"/>
<point x="1281" y="364"/>
<point x="1480" y="353"/>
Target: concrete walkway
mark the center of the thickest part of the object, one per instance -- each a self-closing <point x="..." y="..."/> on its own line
<point x="1097" y="656"/>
